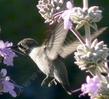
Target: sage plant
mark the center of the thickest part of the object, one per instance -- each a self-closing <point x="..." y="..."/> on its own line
<point x="91" y="55"/>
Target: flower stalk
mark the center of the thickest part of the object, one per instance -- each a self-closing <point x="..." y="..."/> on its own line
<point x="85" y="4"/>
<point x="87" y="35"/>
<point x="79" y="37"/>
<point x="86" y="26"/>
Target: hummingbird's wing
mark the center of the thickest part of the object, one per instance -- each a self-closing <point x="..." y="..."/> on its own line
<point x="55" y="41"/>
<point x="57" y="37"/>
<point x="70" y="48"/>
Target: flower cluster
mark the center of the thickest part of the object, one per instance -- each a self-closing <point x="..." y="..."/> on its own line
<point x="96" y="88"/>
<point x="6" y="56"/>
<point x="88" y="57"/>
<point x="49" y="7"/>
<point x="6" y="86"/>
<point x="86" y="17"/>
<point x="80" y="16"/>
<point x="50" y="11"/>
<point x="92" y="87"/>
<point x="6" y="53"/>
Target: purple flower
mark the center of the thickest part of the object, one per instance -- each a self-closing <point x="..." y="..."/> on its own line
<point x="7" y="86"/>
<point x="7" y="53"/>
<point x="66" y="15"/>
<point x="91" y="87"/>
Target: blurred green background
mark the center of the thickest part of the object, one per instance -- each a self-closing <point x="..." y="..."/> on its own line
<point x="20" y="19"/>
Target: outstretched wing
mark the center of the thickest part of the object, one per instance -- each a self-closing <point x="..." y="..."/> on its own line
<point x="55" y="41"/>
<point x="70" y="48"/>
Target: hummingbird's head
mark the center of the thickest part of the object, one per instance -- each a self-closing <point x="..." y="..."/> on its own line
<point x="26" y="45"/>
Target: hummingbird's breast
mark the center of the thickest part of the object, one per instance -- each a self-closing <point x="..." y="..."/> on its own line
<point x="38" y="55"/>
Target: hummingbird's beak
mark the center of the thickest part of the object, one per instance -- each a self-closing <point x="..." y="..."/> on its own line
<point x="16" y="49"/>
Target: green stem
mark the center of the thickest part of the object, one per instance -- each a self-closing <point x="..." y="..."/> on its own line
<point x="79" y="37"/>
<point x="88" y="35"/>
<point x="87" y="27"/>
<point x="85" y="4"/>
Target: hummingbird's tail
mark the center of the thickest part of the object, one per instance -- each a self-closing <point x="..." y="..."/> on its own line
<point x="69" y="90"/>
<point x="61" y="75"/>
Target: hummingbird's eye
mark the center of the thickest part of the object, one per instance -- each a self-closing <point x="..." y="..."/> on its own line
<point x="20" y="45"/>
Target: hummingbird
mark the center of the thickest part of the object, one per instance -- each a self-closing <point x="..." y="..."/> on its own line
<point x="48" y="56"/>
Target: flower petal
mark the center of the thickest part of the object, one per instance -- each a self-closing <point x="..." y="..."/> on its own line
<point x="69" y="5"/>
<point x="9" y="87"/>
<point x="67" y="24"/>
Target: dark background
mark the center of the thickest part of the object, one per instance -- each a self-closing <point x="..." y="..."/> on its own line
<point x="20" y="19"/>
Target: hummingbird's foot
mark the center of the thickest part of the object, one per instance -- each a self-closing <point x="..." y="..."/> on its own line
<point x="53" y="82"/>
<point x="46" y="81"/>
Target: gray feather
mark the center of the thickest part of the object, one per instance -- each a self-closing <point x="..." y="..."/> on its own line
<point x="70" y="48"/>
<point x="56" y="41"/>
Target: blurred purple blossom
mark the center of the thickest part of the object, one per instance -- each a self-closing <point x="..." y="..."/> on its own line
<point x="66" y="15"/>
<point x="7" y="52"/>
<point x="5" y="84"/>
<point x="91" y="87"/>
